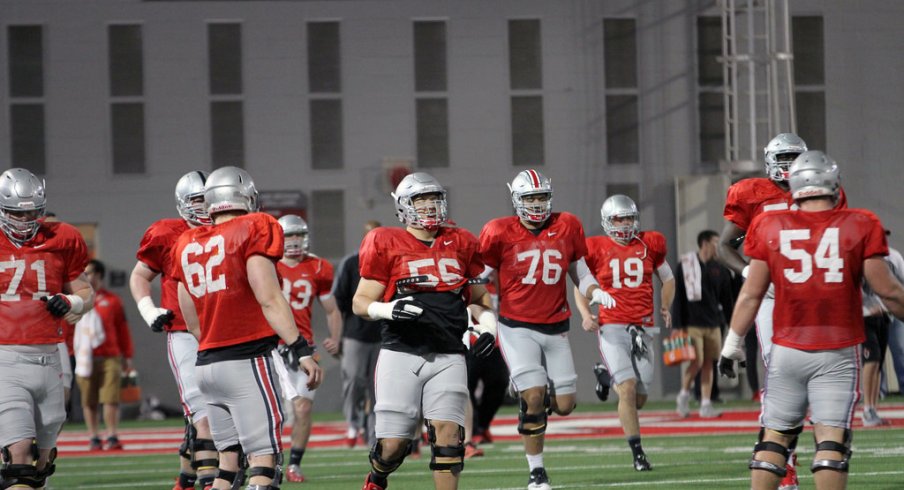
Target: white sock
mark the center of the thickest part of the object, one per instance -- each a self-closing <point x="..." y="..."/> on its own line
<point x="351" y="432"/>
<point x="706" y="401"/>
<point x="683" y="392"/>
<point x="535" y="461"/>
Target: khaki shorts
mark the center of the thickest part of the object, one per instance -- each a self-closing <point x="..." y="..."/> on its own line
<point x="707" y="342"/>
<point x="104" y="384"/>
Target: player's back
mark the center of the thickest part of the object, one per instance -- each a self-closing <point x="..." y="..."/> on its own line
<point x="815" y="260"/>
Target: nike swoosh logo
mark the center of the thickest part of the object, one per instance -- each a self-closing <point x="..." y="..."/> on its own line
<point x="550" y="233"/>
<point x="39" y="245"/>
<point x="447" y="242"/>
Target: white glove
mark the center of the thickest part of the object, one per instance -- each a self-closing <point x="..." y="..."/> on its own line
<point x="486" y="323"/>
<point x="602" y="298"/>
<point x="400" y="309"/>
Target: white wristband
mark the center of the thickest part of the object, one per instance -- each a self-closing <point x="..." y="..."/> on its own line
<point x="76" y="303"/>
<point x="149" y="312"/>
<point x="486" y="322"/>
<point x="745" y="271"/>
<point x="380" y="311"/>
<point x="733" y="343"/>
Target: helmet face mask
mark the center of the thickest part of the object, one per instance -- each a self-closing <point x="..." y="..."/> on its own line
<point x="620" y="218"/>
<point x="814" y="174"/>
<point x="229" y="189"/>
<point x="528" y="190"/>
<point x="780" y="152"/>
<point x="190" y="198"/>
<point x="22" y="204"/>
<point x="297" y="238"/>
<point x="420" y="202"/>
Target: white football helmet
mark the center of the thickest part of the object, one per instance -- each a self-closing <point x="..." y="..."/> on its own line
<point x="814" y="174"/>
<point x="620" y="206"/>
<point x="780" y="152"/>
<point x="190" y="198"/>
<point x="529" y="183"/>
<point x="229" y="189"/>
<point x="295" y="230"/>
<point x="432" y="214"/>
<point x="22" y="193"/>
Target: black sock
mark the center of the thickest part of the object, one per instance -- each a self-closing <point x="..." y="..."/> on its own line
<point x="295" y="456"/>
<point x="379" y="478"/>
<point x="186" y="481"/>
<point x="634" y="442"/>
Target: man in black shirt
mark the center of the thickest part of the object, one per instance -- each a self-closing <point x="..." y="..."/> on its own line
<point x="703" y="300"/>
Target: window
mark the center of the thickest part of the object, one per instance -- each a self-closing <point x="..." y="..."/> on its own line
<point x="431" y="98"/>
<point x="432" y="133"/>
<point x="227" y="124"/>
<point x="328" y="222"/>
<point x="622" y="106"/>
<point x="710" y="98"/>
<point x="126" y="71"/>
<point x="325" y="95"/>
<point x="526" y="83"/>
<point x="809" y="79"/>
<point x="430" y="56"/>
<point x="25" y="54"/>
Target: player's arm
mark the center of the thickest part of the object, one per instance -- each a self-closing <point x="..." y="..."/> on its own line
<point x="189" y="314"/>
<point x="367" y="304"/>
<point x="265" y="285"/>
<point x="666" y="293"/>
<point x="481" y="308"/>
<point x="333" y="324"/>
<point x="743" y="315"/>
<point x="883" y="283"/>
<point x="589" y="320"/>
<point x="79" y="298"/>
<point x="140" y="286"/>
<point x="729" y="243"/>
<point x="587" y="286"/>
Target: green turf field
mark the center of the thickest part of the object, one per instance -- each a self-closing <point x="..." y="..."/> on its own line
<point x="679" y="463"/>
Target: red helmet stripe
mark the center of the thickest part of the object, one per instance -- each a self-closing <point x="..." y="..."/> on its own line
<point x="534" y="178"/>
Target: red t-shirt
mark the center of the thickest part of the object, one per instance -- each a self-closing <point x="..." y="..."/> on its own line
<point x="532" y="267"/>
<point x="117" y="338"/>
<point x="815" y="260"/>
<point x="748" y="198"/>
<point x="156" y="252"/>
<point x="211" y="261"/>
<point x="55" y="256"/>
<point x="310" y="278"/>
<point x="626" y="273"/>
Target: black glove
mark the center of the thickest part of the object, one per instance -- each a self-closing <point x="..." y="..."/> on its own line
<point x="58" y="304"/>
<point x="484" y="345"/>
<point x="292" y="353"/>
<point x="638" y="349"/>
<point x="163" y="320"/>
<point x="407" y="308"/>
<point x="726" y="367"/>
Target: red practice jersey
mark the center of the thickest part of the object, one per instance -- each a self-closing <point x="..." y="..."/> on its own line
<point x="532" y="267"/>
<point x="816" y="263"/>
<point x="748" y="198"/>
<point x="301" y="283"/>
<point x="155" y="252"/>
<point x="211" y="261"/>
<point x="55" y="256"/>
<point x="626" y="273"/>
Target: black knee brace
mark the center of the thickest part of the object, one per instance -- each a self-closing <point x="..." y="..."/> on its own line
<point x="25" y="474"/>
<point x="236" y="478"/>
<point x="539" y="419"/>
<point x="274" y="474"/>
<point x="185" y="449"/>
<point x="446" y="458"/>
<point x="382" y="466"/>
<point x="207" y="463"/>
<point x="774" y="447"/>
<point x="833" y="464"/>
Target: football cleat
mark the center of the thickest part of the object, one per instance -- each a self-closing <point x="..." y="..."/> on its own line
<point x="113" y="444"/>
<point x="484" y="437"/>
<point x="603" y="381"/>
<point x="96" y="444"/>
<point x="789" y="482"/>
<point x="683" y="404"/>
<point x="472" y="451"/>
<point x="538" y="480"/>
<point x="709" y="412"/>
<point x="294" y="474"/>
<point x="177" y="486"/>
<point x="641" y="463"/>
<point x="369" y="485"/>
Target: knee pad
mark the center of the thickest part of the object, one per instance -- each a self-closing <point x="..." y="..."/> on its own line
<point x="274" y="474"/>
<point x="537" y="419"/>
<point x="236" y="478"/>
<point x="203" y="464"/>
<point x="26" y="474"/>
<point x="833" y="464"/>
<point x="774" y="447"/>
<point x="185" y="449"/>
<point x="383" y="466"/>
<point x="446" y="458"/>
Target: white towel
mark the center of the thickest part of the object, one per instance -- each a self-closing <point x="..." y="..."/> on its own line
<point x="89" y="333"/>
<point x="693" y="276"/>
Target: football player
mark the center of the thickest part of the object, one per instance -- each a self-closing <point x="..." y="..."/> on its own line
<point x="197" y="454"/>
<point x="416" y="281"/>
<point x="305" y="276"/>
<point x="816" y="259"/>
<point x="43" y="277"/>
<point x="747" y="199"/>
<point x="232" y="302"/>
<point x="532" y="252"/>
<point x="624" y="262"/>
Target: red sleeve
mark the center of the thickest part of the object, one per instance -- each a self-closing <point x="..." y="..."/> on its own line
<point x="754" y="245"/>
<point x="659" y="248"/>
<point x="735" y="209"/>
<point x="325" y="278"/>
<point x="151" y="250"/>
<point x="77" y="256"/>
<point x="370" y="260"/>
<point x="269" y="242"/>
<point x="875" y="242"/>
<point x="123" y="334"/>
<point x="590" y="258"/>
<point x="578" y="240"/>
<point x="488" y="247"/>
<point x="475" y="262"/>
